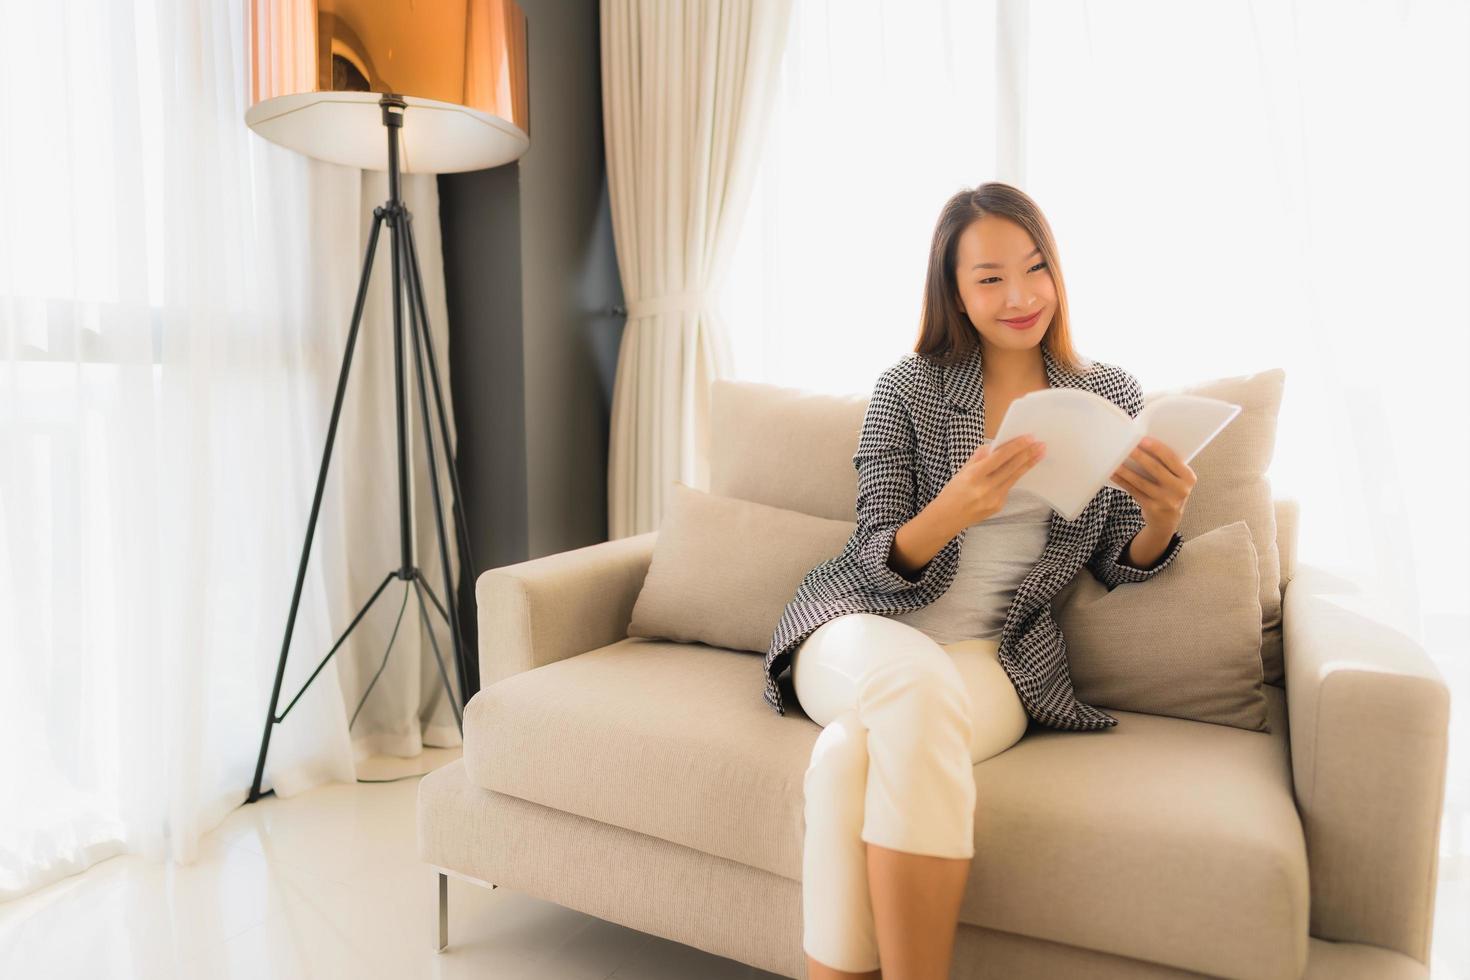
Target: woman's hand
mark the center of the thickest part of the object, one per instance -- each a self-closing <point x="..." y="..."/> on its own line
<point x="979" y="488"/>
<point x="1164" y="486"/>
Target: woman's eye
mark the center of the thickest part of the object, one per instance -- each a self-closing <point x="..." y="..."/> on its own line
<point x="1039" y="265"/>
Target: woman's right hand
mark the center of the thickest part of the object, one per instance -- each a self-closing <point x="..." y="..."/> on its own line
<point x="978" y="489"/>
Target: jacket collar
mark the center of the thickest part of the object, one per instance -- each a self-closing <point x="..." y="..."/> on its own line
<point x="965" y="402"/>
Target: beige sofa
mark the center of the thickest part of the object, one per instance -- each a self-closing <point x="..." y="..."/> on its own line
<point x="648" y="783"/>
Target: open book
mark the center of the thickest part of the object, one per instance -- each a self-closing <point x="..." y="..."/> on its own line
<point x="1087" y="437"/>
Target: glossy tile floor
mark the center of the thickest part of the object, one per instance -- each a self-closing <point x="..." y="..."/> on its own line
<point x="323" y="885"/>
<point x="327" y="885"/>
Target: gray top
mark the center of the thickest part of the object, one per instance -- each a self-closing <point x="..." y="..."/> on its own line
<point x="997" y="555"/>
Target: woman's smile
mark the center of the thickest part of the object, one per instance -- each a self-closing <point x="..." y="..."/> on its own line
<point x="1023" y="324"/>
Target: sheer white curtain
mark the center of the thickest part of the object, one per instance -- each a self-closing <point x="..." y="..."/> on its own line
<point x="175" y="294"/>
<point x="1235" y="186"/>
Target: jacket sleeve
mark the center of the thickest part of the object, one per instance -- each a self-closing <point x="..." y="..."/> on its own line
<point x="887" y="494"/>
<point x="1124" y="520"/>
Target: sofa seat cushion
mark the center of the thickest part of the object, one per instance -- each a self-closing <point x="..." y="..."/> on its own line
<point x="1164" y="839"/>
<point x="650" y="735"/>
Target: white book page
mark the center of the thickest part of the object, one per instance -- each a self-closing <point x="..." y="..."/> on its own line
<point x="1184" y="423"/>
<point x="1088" y="437"/>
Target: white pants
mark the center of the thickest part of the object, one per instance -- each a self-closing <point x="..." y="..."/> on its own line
<point x="904" y="720"/>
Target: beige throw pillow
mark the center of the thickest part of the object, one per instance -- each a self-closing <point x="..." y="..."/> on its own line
<point x="1185" y="644"/>
<point x="724" y="569"/>
<point x="1233" y="486"/>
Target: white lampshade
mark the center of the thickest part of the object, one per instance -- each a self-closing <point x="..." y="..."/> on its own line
<point x="318" y="68"/>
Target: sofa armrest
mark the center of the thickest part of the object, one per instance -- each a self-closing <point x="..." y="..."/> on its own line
<point x="547" y="609"/>
<point x="1369" y="717"/>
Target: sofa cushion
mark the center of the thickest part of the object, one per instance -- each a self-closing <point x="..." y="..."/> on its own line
<point x="786" y="447"/>
<point x="1188" y="646"/>
<point x="1163" y="839"/>
<point x="1233" y="486"/>
<point x="723" y="569"/>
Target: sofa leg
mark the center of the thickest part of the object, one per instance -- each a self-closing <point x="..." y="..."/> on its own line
<point x="443" y="911"/>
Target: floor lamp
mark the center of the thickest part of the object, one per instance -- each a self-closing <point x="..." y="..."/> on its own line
<point x="446" y="87"/>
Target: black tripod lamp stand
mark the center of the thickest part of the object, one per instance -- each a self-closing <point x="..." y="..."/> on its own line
<point x="328" y="109"/>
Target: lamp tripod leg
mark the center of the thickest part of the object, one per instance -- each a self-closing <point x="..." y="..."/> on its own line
<point x="417" y="284"/>
<point x="316" y="503"/>
<point x="416" y="329"/>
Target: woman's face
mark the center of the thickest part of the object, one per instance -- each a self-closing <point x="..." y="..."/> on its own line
<point x="1002" y="276"/>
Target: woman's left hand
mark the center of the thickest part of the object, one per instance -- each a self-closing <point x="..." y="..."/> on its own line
<point x="1164" y="486"/>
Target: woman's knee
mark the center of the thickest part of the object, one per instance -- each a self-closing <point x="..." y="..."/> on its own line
<point x="839" y="760"/>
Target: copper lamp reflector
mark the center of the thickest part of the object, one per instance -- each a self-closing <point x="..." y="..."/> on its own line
<point x="318" y="67"/>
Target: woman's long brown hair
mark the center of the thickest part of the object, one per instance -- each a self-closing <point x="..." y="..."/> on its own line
<point x="945" y="332"/>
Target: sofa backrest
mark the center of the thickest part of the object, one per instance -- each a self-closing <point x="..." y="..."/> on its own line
<point x="793" y="448"/>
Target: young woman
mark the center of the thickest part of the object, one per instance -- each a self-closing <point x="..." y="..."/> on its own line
<point x="927" y="645"/>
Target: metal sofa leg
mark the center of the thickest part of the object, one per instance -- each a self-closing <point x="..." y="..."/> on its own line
<point x="443" y="911"/>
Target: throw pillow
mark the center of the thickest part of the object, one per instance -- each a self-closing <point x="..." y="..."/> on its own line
<point x="1187" y="644"/>
<point x="1233" y="487"/>
<point x="723" y="569"/>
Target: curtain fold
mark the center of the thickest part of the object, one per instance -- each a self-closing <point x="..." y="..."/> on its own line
<point x="687" y="88"/>
<point x="175" y="294"/>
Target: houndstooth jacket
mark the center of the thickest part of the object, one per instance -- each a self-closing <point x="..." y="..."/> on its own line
<point x="923" y="421"/>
